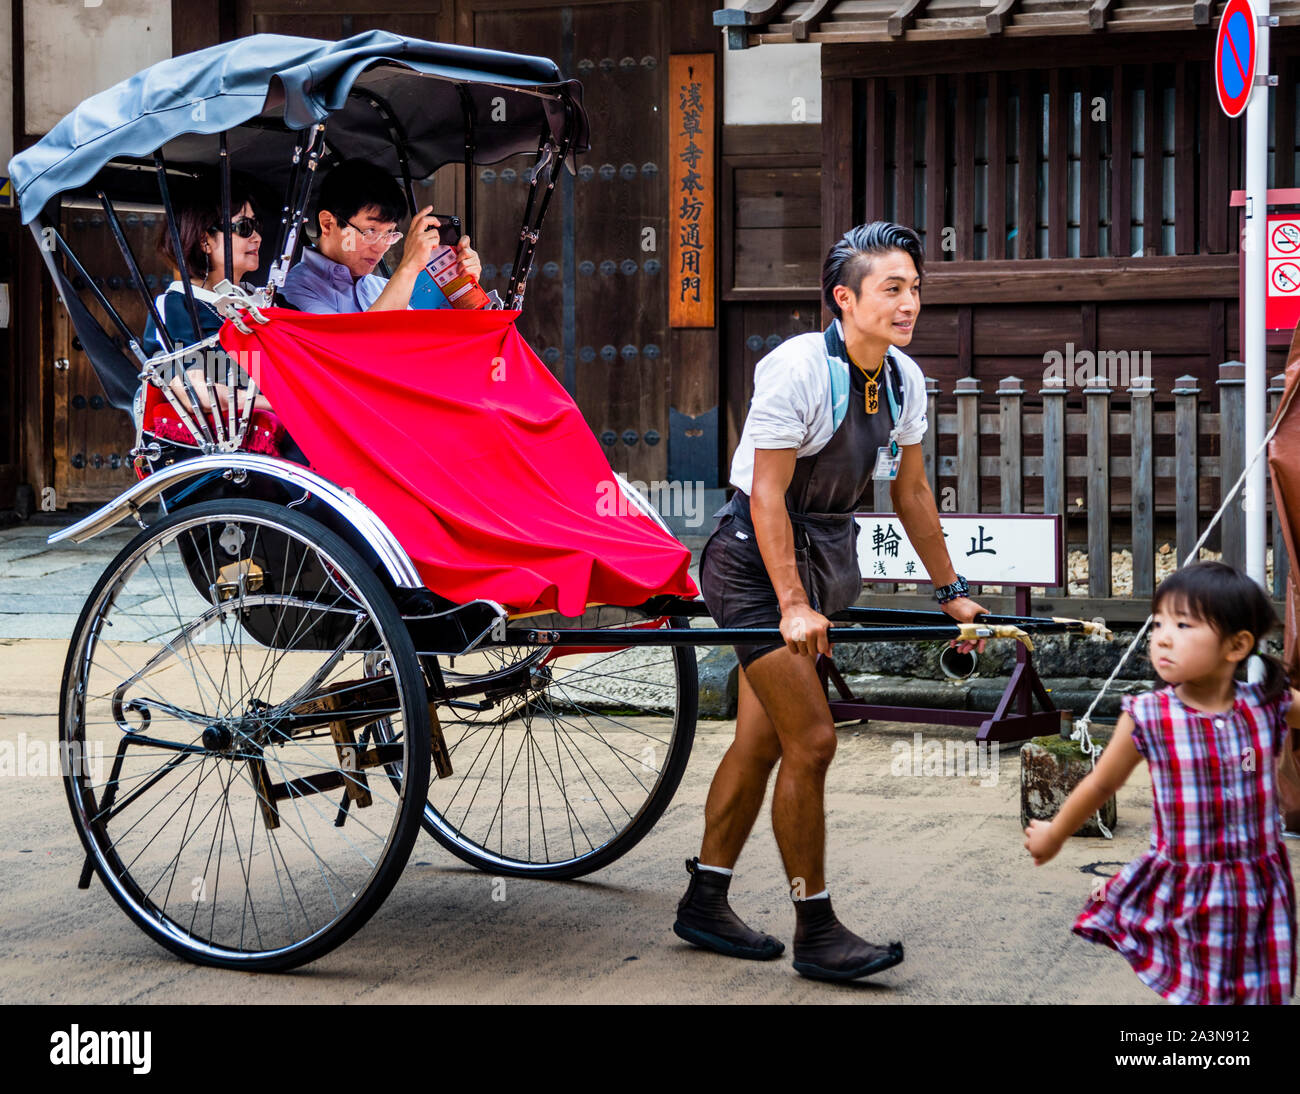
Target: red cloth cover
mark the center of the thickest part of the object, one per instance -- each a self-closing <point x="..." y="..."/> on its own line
<point x="450" y="428"/>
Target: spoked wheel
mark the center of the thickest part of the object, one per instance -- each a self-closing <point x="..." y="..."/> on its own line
<point x="247" y="733"/>
<point x="562" y="759"/>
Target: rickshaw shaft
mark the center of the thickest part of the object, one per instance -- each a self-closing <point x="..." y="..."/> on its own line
<point x="725" y="636"/>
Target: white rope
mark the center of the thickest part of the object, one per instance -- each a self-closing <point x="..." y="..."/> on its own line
<point x="1080" y="734"/>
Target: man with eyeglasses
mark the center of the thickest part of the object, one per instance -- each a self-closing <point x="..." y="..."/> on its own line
<point x="359" y="207"/>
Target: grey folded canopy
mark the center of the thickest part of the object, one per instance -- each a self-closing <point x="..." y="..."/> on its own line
<point x="267" y="88"/>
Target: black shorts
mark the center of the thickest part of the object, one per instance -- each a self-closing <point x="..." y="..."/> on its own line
<point x="738" y="592"/>
<point x="735" y="585"/>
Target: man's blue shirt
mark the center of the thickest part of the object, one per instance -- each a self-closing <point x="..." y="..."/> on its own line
<point x="317" y="284"/>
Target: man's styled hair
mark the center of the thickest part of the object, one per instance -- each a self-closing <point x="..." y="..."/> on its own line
<point x="355" y="185"/>
<point x="849" y="260"/>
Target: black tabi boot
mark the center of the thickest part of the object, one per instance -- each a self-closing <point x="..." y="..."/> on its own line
<point x="825" y="949"/>
<point x="705" y="919"/>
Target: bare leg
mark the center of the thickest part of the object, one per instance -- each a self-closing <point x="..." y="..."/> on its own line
<point x="795" y="705"/>
<point x="704" y="915"/>
<point x="736" y="794"/>
<point x="787" y="686"/>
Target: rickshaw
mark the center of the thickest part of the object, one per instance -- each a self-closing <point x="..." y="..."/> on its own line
<point x="265" y="698"/>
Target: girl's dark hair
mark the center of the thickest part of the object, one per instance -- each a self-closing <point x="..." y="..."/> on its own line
<point x="849" y="260"/>
<point x="1228" y="601"/>
<point x="196" y="204"/>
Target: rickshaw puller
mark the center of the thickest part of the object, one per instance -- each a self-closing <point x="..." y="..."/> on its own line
<point x="831" y="413"/>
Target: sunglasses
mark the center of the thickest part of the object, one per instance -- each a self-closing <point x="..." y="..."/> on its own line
<point x="244" y="227"/>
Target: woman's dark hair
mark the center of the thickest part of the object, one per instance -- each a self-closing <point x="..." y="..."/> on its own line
<point x="358" y="184"/>
<point x="196" y="204"/>
<point x="849" y="261"/>
<point x="1228" y="601"/>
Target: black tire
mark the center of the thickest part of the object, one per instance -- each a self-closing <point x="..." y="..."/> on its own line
<point x="191" y="726"/>
<point x="559" y="703"/>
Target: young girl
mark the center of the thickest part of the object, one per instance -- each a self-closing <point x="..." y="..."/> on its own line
<point x="1207" y="915"/>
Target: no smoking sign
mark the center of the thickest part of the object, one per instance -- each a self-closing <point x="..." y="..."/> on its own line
<point x="1283" y="237"/>
<point x="1282" y="305"/>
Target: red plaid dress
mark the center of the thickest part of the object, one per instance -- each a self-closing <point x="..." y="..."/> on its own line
<point x="1207" y="915"/>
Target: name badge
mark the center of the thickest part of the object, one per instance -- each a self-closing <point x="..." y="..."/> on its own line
<point x="886" y="465"/>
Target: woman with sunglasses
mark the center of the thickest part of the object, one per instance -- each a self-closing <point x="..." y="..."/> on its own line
<point x="359" y="207"/>
<point x="197" y="207"/>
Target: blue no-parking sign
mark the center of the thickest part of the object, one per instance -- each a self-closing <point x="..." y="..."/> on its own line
<point x="1234" y="57"/>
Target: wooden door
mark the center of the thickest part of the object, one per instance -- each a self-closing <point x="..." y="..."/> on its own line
<point x="92" y="440"/>
<point x="9" y="386"/>
<point x="596" y="306"/>
<point x="334" y="19"/>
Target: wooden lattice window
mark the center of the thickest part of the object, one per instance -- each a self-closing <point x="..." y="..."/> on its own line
<point x="1145" y="159"/>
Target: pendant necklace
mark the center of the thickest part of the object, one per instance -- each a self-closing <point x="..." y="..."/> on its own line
<point x="873" y="389"/>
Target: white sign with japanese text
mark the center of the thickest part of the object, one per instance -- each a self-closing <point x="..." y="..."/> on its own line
<point x="985" y="548"/>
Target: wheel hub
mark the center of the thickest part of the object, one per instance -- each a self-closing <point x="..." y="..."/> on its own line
<point x="218" y="738"/>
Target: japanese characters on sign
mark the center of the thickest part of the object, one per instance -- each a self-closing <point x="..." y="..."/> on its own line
<point x="690" y="194"/>
<point x="985" y="548"/>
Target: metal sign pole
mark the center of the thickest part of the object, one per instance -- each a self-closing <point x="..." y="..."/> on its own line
<point x="1256" y="289"/>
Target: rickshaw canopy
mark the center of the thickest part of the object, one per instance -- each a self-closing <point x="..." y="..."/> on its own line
<point x="270" y="85"/>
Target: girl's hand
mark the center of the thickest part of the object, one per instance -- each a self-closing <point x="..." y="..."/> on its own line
<point x="1040" y="842"/>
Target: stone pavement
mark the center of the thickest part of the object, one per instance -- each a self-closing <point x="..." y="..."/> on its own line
<point x="933" y="860"/>
<point x="43" y="587"/>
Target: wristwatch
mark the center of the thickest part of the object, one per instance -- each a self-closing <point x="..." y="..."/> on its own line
<point x="958" y="588"/>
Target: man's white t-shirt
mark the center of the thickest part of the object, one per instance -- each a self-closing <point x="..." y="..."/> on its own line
<point x="792" y="407"/>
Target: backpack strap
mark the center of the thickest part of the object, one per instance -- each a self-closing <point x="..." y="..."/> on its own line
<point x="837" y="360"/>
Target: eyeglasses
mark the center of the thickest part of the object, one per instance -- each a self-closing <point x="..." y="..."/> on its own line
<point x="244" y="227"/>
<point x="371" y="236"/>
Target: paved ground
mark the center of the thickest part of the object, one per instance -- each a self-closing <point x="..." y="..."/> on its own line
<point x="935" y="861"/>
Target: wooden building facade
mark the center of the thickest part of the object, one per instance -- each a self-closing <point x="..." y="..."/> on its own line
<point x="1064" y="161"/>
<point x="1066" y="164"/>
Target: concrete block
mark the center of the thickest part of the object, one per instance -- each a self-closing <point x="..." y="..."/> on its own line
<point x="1050" y="769"/>
<point x="719" y="681"/>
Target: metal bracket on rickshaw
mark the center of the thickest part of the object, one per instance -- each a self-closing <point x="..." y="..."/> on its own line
<point x="543" y="161"/>
<point x="235" y="304"/>
<point x="458" y="630"/>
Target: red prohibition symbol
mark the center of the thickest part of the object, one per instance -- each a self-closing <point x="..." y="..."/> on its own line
<point x="1234" y="57"/>
<point x="1286" y="238"/>
<point x="1286" y="277"/>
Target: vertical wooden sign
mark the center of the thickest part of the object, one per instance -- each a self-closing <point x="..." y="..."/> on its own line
<point x="691" y="246"/>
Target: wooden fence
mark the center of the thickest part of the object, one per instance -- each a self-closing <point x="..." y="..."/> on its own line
<point x="1135" y="456"/>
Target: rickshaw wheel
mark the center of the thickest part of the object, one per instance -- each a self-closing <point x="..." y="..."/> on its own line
<point x="573" y="754"/>
<point x="248" y="805"/>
